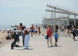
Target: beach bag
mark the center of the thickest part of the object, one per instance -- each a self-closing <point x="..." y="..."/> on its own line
<point x="46" y="37"/>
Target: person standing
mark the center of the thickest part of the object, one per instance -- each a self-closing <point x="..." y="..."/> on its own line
<point x="49" y="34"/>
<point x="39" y="31"/>
<point x="56" y="37"/>
<point x="32" y="30"/>
<point x="26" y="39"/>
<point x="36" y="30"/>
<point x="20" y="27"/>
<point x="56" y="27"/>
<point x="62" y="28"/>
<point x="23" y="28"/>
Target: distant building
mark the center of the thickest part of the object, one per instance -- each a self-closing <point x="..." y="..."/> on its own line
<point x="62" y="20"/>
<point x="50" y="21"/>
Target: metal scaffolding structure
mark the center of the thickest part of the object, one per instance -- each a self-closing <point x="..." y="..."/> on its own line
<point x="55" y="10"/>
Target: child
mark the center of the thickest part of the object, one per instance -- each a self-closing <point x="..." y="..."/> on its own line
<point x="56" y="37"/>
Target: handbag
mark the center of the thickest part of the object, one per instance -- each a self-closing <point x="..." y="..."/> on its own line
<point x="46" y="37"/>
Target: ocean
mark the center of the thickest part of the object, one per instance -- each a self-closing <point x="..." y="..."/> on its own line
<point x="9" y="26"/>
<point x="5" y="27"/>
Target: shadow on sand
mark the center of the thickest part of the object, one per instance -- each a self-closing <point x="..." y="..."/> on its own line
<point x="55" y="46"/>
<point x="75" y="40"/>
<point x="0" y="42"/>
<point x="25" y="49"/>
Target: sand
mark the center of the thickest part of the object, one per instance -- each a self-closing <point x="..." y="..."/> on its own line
<point x="3" y="40"/>
<point x="38" y="47"/>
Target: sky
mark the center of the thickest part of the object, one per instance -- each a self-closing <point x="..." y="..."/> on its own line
<point x="13" y="12"/>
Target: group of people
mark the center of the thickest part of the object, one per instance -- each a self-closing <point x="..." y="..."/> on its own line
<point x="25" y="33"/>
<point x="49" y="35"/>
<point x="35" y="30"/>
<point x="54" y="31"/>
<point x="20" y="30"/>
<point x="71" y="29"/>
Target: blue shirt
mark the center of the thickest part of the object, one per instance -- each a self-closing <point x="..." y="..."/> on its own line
<point x="56" y="35"/>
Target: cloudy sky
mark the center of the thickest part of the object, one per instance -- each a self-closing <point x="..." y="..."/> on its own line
<point x="30" y="11"/>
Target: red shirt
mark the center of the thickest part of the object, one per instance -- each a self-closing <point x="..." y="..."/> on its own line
<point x="49" y="32"/>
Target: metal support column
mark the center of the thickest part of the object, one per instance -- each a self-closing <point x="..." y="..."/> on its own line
<point x="54" y="15"/>
<point x="51" y="18"/>
<point x="68" y="20"/>
<point x="74" y="20"/>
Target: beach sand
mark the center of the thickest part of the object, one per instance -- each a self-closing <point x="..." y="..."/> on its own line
<point x="38" y="47"/>
<point x="3" y="40"/>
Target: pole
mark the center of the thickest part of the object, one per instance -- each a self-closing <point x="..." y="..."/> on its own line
<point x="74" y="20"/>
<point x="51" y="17"/>
<point x="68" y="20"/>
<point x="54" y="15"/>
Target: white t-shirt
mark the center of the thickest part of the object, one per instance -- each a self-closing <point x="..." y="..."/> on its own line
<point x="36" y="28"/>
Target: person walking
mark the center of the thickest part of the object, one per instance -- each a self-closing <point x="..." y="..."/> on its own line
<point x="49" y="34"/>
<point x="15" y="38"/>
<point x="74" y="32"/>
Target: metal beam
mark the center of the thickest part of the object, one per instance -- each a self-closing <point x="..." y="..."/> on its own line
<point x="61" y="12"/>
<point x="72" y="13"/>
<point x="57" y="18"/>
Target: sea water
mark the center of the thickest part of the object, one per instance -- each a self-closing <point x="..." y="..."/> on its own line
<point x="4" y="27"/>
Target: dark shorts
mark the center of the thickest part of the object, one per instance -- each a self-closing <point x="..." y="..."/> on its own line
<point x="74" y="34"/>
<point x="56" y="39"/>
<point x="36" y="31"/>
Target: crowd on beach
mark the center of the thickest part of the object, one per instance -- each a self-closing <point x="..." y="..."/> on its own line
<point x="27" y="33"/>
